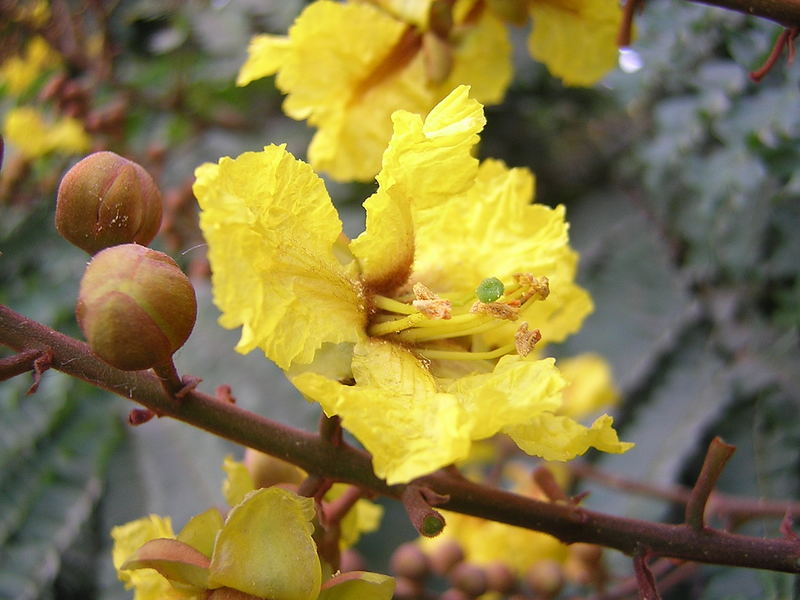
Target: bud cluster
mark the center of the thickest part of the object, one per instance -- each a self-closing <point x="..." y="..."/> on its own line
<point x="135" y="307"/>
<point x="414" y="566"/>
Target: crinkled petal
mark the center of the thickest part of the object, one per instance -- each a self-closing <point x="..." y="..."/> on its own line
<point x="412" y="180"/>
<point x="512" y="393"/>
<point x="266" y="548"/>
<point x="271" y="227"/>
<point x="576" y="39"/>
<point x="555" y="437"/>
<point x="266" y="54"/>
<point x="395" y="411"/>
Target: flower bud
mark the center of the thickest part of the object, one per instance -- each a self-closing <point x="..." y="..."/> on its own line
<point x="409" y="561"/>
<point x="105" y="200"/>
<point x="135" y="307"/>
<point x="267" y="470"/>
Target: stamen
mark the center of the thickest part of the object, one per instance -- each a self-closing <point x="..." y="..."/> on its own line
<point x="526" y="340"/>
<point x="395" y="325"/>
<point x="465" y="355"/>
<point x="534" y="286"/>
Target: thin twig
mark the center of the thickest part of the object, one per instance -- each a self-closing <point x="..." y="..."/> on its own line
<point x="716" y="458"/>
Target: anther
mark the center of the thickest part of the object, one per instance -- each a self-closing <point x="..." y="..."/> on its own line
<point x="498" y="310"/>
<point x="431" y="305"/>
<point x="525" y="340"/>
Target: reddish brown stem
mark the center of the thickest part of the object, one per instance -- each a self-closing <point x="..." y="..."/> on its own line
<point x="18" y="364"/>
<point x="716" y="458"/>
<point x="350" y="465"/>
<point x="417" y="501"/>
<point x="625" y="33"/>
<point x="644" y="577"/>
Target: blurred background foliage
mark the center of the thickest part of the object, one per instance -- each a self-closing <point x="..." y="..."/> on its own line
<point x="682" y="187"/>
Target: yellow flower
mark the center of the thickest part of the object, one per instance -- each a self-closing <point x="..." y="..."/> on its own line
<point x="346" y="67"/>
<point x="590" y="385"/>
<point x="386" y="331"/>
<point x="363" y="517"/>
<point x="262" y="549"/>
<point x="32" y="136"/>
<point x="18" y="73"/>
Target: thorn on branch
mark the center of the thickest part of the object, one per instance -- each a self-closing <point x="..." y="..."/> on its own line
<point x="418" y="502"/>
<point x="190" y="382"/>
<point x="543" y="478"/>
<point x="625" y="33"/>
<point x="716" y="458"/>
<point x="786" y="527"/>
<point x="223" y="393"/>
<point x="644" y="577"/>
<point x="139" y="416"/>
<point x="784" y="40"/>
<point x="40" y="364"/>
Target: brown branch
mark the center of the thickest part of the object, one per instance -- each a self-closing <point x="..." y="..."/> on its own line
<point x="18" y="364"/>
<point x="350" y="465"/>
<point x="784" y="12"/>
<point x="716" y="458"/>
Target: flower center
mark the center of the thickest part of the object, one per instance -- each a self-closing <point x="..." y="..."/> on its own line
<point x="424" y="320"/>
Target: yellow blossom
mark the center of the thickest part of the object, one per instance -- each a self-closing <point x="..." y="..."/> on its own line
<point x="364" y="517"/>
<point x="26" y="130"/>
<point x="340" y="318"/>
<point x="263" y="548"/>
<point x="346" y="67"/>
<point x="18" y="73"/>
<point x="590" y="385"/>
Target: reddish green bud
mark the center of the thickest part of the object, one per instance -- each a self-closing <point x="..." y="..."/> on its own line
<point x="468" y="578"/>
<point x="106" y="200"/>
<point x="135" y="307"/>
<point x="409" y="561"/>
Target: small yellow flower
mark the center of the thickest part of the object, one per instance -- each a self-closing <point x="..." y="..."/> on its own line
<point x="18" y="73"/>
<point x="342" y="317"/>
<point x="346" y="67"/>
<point x="27" y="131"/>
<point x="262" y="549"/>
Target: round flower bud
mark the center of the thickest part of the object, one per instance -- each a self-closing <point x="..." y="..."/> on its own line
<point x="408" y="560"/>
<point x="135" y="307"/>
<point x="468" y="578"/>
<point x="105" y="200"/>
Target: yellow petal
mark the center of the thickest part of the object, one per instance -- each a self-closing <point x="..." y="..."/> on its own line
<point x="238" y="481"/>
<point x="517" y="389"/>
<point x="266" y="54"/>
<point x="358" y="585"/>
<point x="482" y="59"/>
<point x="576" y="39"/>
<point x="590" y="385"/>
<point x="266" y="548"/>
<point x="128" y="538"/>
<point x="395" y="411"/>
<point x="410" y="11"/>
<point x="201" y="531"/>
<point x="555" y="437"/>
<point x="271" y="227"/>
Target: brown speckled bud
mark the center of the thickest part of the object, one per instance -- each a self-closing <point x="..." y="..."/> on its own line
<point x="106" y="200"/>
<point x="135" y="307"/>
<point x="408" y="560"/>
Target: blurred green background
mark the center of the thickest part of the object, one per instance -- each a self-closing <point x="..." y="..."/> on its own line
<point x="681" y="182"/>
